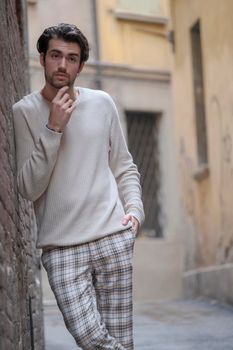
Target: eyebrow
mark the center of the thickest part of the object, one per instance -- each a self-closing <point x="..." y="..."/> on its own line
<point x="69" y="54"/>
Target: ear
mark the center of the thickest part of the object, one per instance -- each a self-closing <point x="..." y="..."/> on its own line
<point x="81" y="67"/>
<point x="42" y="59"/>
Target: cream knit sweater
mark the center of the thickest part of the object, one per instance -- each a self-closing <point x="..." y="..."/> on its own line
<point x="82" y="181"/>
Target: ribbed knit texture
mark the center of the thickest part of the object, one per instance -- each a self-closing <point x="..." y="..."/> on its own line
<point x="82" y="181"/>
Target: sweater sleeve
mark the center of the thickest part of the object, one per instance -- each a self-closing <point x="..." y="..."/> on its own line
<point x="124" y="170"/>
<point x="35" y="159"/>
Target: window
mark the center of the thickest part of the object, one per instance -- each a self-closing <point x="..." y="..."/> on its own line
<point x="146" y="7"/>
<point x="199" y="100"/>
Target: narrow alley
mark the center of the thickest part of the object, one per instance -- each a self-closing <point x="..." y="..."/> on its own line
<point x="179" y="325"/>
<point x="165" y="69"/>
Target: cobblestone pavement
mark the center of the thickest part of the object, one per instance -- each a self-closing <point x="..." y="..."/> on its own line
<point x="178" y="325"/>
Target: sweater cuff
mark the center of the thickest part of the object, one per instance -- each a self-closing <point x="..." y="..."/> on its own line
<point x="51" y="134"/>
<point x="59" y="132"/>
<point x="138" y="215"/>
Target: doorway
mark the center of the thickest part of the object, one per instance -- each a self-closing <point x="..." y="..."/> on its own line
<point x="143" y="143"/>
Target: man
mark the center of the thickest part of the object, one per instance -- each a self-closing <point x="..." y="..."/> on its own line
<point x="73" y="163"/>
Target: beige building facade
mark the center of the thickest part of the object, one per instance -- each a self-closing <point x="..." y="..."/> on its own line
<point x="45" y="13"/>
<point x="131" y="60"/>
<point x="135" y="62"/>
<point x="203" y="102"/>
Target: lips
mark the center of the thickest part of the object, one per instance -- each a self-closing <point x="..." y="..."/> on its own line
<point x="61" y="76"/>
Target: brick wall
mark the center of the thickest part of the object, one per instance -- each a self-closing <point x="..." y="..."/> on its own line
<point x="21" y="324"/>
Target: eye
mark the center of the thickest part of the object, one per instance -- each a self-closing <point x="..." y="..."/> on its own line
<point x="73" y="59"/>
<point x="55" y="55"/>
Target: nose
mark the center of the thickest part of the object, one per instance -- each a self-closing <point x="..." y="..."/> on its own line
<point x="62" y="64"/>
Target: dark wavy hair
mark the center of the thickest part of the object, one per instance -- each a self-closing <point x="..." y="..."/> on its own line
<point x="66" y="32"/>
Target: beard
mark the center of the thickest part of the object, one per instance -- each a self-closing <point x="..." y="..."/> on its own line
<point x="57" y="82"/>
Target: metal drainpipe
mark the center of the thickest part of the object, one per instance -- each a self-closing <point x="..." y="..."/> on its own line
<point x="98" y="81"/>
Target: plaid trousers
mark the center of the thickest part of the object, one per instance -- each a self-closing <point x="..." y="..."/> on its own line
<point x="92" y="283"/>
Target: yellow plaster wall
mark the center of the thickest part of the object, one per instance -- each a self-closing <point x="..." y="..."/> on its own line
<point x="134" y="43"/>
<point x="207" y="205"/>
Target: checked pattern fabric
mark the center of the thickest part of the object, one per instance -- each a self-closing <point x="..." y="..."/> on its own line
<point x="92" y="283"/>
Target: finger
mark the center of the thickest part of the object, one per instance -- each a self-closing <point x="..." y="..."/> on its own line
<point x="126" y="219"/>
<point x="134" y="219"/>
<point x="65" y="98"/>
<point x="71" y="108"/>
<point x="61" y="92"/>
<point x="68" y="104"/>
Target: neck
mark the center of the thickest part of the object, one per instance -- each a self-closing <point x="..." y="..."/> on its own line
<point x="49" y="92"/>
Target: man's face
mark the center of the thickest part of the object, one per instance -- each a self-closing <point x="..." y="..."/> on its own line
<point x="61" y="63"/>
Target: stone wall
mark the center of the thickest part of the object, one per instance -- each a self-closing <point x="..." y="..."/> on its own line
<point x="20" y="290"/>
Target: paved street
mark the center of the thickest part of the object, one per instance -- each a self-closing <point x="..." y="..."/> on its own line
<point x="180" y="325"/>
